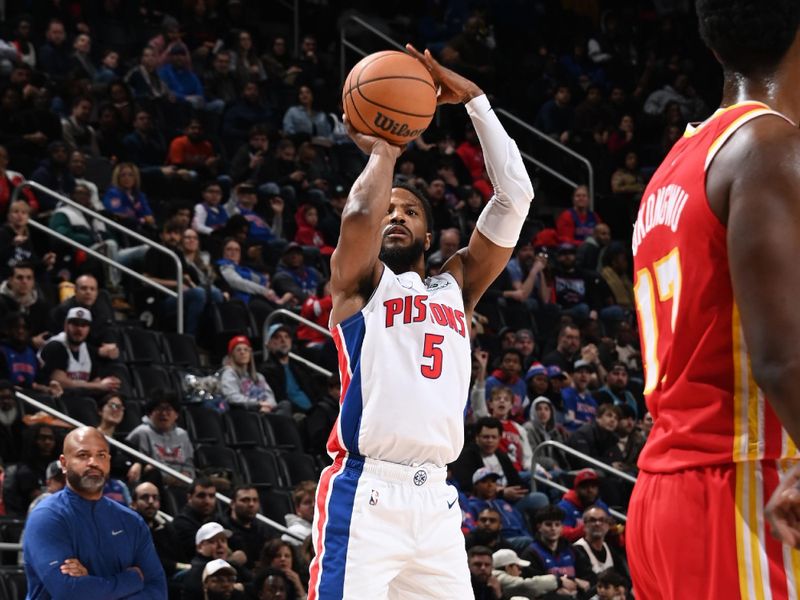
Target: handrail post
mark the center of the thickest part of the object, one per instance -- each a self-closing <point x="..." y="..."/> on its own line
<point x="129" y="232"/>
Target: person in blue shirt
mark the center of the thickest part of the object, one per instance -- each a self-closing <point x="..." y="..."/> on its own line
<point x="78" y="544"/>
<point x="580" y="407"/>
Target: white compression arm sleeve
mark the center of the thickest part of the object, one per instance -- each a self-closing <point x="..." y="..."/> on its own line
<point x="502" y="218"/>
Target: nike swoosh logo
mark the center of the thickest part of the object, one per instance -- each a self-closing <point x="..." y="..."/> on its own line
<point x="450" y="504"/>
<point x="117" y="532"/>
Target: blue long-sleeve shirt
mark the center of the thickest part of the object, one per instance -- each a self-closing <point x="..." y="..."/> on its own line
<point x="106" y="537"/>
<point x="181" y="82"/>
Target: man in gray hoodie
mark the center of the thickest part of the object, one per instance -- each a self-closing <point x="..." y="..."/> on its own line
<point x="159" y="436"/>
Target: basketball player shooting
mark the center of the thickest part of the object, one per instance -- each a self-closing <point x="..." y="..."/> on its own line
<point x="387" y="525"/>
<point x="715" y="249"/>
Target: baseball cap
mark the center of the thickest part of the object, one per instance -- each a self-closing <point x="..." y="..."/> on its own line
<point x="275" y="328"/>
<point x="583" y="364"/>
<point x="79" y="313"/>
<point x="209" y="530"/>
<point x="536" y="369"/>
<point x="178" y="49"/>
<point x="585" y="475"/>
<point x="236" y="340"/>
<point x="270" y="189"/>
<point x="484" y="473"/>
<point x="554" y="371"/>
<point x="503" y="558"/>
<point x="566" y="248"/>
<point x="215" y="566"/>
<point x="291" y="247"/>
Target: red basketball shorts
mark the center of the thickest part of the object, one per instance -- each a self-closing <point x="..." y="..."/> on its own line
<point x="701" y="534"/>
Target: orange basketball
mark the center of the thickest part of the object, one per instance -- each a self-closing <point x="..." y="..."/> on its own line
<point x="391" y="95"/>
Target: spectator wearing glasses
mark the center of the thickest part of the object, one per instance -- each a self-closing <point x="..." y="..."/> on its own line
<point x="593" y="554"/>
<point x="146" y="500"/>
<point x="160" y="437"/>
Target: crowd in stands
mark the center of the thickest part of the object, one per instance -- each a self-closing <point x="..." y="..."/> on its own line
<point x="198" y="127"/>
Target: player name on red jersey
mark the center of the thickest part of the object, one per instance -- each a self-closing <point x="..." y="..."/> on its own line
<point x="662" y="207"/>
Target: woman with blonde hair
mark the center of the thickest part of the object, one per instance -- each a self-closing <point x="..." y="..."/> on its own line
<point x="125" y="199"/>
<point x="242" y="385"/>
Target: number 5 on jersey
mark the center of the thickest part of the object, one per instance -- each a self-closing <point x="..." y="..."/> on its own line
<point x="432" y="351"/>
<point x="667" y="271"/>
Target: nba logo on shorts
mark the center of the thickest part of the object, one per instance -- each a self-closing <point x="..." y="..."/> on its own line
<point x="373" y="498"/>
<point x="420" y="477"/>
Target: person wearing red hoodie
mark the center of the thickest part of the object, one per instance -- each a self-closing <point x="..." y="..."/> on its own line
<point x="509" y="374"/>
<point x="307" y="219"/>
<point x="585" y="492"/>
<point x="317" y="309"/>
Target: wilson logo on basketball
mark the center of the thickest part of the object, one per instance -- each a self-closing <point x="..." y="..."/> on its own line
<point x="386" y="123"/>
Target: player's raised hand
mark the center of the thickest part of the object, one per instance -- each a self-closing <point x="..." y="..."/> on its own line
<point x="783" y="509"/>
<point x="453" y="88"/>
<point x="368" y="143"/>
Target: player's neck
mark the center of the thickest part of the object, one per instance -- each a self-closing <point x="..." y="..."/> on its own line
<point x="776" y="91"/>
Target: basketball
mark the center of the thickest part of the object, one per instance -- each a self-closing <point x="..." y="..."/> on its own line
<point x="391" y="95"/>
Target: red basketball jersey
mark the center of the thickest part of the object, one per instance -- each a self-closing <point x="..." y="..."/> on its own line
<point x="698" y="383"/>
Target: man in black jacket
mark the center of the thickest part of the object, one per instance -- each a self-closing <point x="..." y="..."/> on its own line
<point x="484" y="452"/>
<point x="201" y="507"/>
<point x="289" y="379"/>
<point x="249" y="534"/>
<point x="598" y="439"/>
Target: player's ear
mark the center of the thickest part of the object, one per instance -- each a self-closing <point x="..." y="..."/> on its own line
<point x="428" y="240"/>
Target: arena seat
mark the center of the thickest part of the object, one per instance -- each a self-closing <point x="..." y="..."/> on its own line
<point x="285" y="433"/>
<point x="205" y="425"/>
<point x="261" y="467"/>
<point x="244" y="429"/>
<point x="297" y="467"/>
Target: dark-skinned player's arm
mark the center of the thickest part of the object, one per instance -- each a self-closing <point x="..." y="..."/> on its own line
<point x="763" y="247"/>
<point x="354" y="263"/>
<point x="491" y="244"/>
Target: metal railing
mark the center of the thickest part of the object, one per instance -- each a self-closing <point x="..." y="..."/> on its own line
<point x="282" y="312"/>
<point x="561" y="147"/>
<point x="144" y="458"/>
<point x="345" y="44"/>
<point x="584" y="457"/>
<point x="177" y="294"/>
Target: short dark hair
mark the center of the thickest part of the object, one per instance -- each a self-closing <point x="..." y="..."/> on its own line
<point x="604" y="408"/>
<point x="479" y="551"/>
<point x="265" y="573"/>
<point x="750" y="37"/>
<point x="80" y="99"/>
<point x="241" y="487"/>
<point x="200" y="482"/>
<point x="515" y="352"/>
<point x="611" y="577"/>
<point x="423" y="199"/>
<point x="548" y="513"/>
<point x="22" y="264"/>
<point x="172" y="226"/>
<point x="489" y="423"/>
<point x="257" y="130"/>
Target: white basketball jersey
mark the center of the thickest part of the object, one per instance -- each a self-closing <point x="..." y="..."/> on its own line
<point x="404" y="360"/>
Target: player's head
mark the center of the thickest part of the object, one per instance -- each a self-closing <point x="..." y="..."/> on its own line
<point x="750" y="37"/>
<point x="407" y="228"/>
